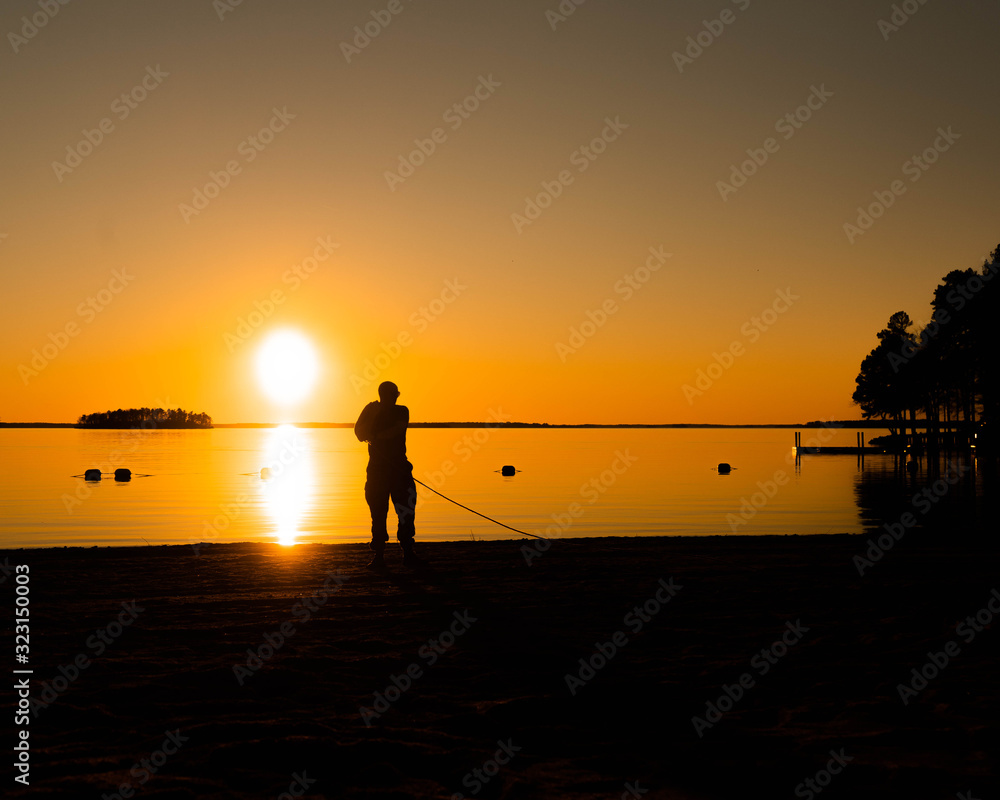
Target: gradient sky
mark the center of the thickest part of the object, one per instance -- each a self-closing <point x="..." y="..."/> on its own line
<point x="211" y="83"/>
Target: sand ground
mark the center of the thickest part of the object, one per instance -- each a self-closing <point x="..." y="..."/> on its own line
<point x="487" y="642"/>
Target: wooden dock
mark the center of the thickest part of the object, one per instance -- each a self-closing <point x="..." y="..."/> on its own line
<point x="915" y="445"/>
<point x="838" y="451"/>
<point x="860" y="449"/>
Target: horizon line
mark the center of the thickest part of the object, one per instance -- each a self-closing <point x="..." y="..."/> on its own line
<point x="511" y="424"/>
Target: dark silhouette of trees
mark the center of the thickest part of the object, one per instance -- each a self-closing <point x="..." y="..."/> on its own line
<point x="145" y="418"/>
<point x="946" y="373"/>
<point x="883" y="388"/>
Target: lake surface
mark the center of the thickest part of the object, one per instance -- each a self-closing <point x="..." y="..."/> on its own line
<point x="206" y="485"/>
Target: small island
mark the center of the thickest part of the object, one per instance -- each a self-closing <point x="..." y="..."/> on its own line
<point x="145" y="418"/>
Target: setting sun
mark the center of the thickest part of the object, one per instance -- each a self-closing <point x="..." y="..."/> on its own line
<point x="287" y="367"/>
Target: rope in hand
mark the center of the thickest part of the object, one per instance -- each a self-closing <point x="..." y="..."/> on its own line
<point x="502" y="525"/>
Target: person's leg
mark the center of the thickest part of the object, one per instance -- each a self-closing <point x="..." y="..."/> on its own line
<point x="377" y="496"/>
<point x="403" y="492"/>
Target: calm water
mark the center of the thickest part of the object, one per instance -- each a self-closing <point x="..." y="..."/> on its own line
<point x="205" y="485"/>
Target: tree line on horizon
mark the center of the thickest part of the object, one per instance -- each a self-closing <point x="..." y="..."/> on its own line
<point x="145" y="418"/>
<point x="944" y="374"/>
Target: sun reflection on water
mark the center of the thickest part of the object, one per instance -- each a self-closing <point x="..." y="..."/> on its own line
<point x="290" y="487"/>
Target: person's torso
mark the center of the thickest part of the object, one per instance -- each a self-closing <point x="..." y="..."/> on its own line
<point x="393" y="449"/>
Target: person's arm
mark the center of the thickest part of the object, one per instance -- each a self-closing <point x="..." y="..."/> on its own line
<point x="366" y="420"/>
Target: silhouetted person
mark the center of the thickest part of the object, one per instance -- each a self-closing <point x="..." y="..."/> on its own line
<point x="390" y="475"/>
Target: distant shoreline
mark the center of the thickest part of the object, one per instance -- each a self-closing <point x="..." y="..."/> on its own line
<point x="533" y="425"/>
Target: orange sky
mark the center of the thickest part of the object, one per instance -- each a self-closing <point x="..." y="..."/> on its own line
<point x="293" y="134"/>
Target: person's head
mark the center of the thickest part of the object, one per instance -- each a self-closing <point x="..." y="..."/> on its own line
<point x="388" y="392"/>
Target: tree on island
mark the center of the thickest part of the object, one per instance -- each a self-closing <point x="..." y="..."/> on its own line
<point x="145" y="418"/>
<point x="945" y="373"/>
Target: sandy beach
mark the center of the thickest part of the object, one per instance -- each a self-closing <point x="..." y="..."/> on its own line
<point x="617" y="667"/>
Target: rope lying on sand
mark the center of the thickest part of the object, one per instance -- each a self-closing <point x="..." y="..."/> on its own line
<point x="502" y="525"/>
<point x="536" y="536"/>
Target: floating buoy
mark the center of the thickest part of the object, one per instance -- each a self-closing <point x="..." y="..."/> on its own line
<point x="123" y="474"/>
<point x="265" y="473"/>
<point x="724" y="468"/>
<point x="92" y="475"/>
<point x="507" y="470"/>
